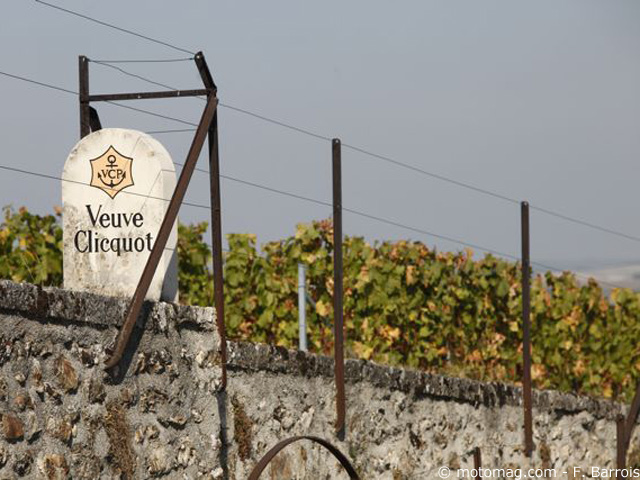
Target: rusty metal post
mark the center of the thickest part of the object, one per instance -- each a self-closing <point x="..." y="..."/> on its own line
<point x="526" y="331"/>
<point x="338" y="319"/>
<point x="477" y="463"/>
<point x="216" y="215"/>
<point x="83" y="66"/>
<point x="621" y="445"/>
<point x="163" y="234"/>
<point x="216" y="233"/>
<point x="111" y="97"/>
<point x="632" y="416"/>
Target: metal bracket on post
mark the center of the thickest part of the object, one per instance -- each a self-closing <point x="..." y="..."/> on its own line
<point x="338" y="318"/>
<point x="526" y="331"/>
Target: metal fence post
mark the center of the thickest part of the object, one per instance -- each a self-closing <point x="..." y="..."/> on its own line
<point x="477" y="462"/>
<point x="621" y="446"/>
<point x="85" y="121"/>
<point x="302" y="308"/>
<point x="526" y="330"/>
<point x="216" y="215"/>
<point x="216" y="233"/>
<point x="338" y="319"/>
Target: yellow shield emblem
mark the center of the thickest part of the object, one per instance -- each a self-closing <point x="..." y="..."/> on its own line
<point x="111" y="172"/>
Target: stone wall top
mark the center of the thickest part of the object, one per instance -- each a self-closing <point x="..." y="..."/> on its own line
<point x="91" y="309"/>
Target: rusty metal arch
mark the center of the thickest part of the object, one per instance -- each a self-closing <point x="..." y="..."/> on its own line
<point x="270" y="455"/>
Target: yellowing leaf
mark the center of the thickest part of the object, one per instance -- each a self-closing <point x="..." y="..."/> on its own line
<point x="411" y="274"/>
<point x="322" y="308"/>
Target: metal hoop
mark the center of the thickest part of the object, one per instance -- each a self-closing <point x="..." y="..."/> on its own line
<point x="264" y="461"/>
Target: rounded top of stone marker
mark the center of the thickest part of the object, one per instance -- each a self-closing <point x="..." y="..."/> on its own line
<point x="129" y="143"/>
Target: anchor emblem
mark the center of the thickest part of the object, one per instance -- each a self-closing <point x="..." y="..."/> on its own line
<point x="111" y="172"/>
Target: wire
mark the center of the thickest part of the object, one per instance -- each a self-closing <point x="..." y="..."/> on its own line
<point x="493" y="194"/>
<point x="352" y="147"/>
<point x="115" y="27"/>
<point x="585" y="223"/>
<point x="65" y="90"/>
<point x="35" y="82"/>
<point x="320" y="202"/>
<point x="280" y="192"/>
<point x="153" y="114"/>
<point x="397" y="162"/>
<point x="159" y="60"/>
<point x="297" y="129"/>
<point x="60" y="179"/>
<point x="180" y="130"/>
<point x="470" y="245"/>
<point x="221" y="104"/>
<point x="425" y="232"/>
<point x="430" y="174"/>
<point x="224" y="105"/>
<point x="264" y="187"/>
<point x="403" y="226"/>
<point x="276" y="122"/>
<point x="130" y="74"/>
<point x="275" y="190"/>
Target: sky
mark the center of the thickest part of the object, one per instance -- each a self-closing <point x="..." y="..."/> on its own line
<point x="536" y="101"/>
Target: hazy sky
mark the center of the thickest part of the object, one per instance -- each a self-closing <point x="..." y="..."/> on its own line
<point x="534" y="100"/>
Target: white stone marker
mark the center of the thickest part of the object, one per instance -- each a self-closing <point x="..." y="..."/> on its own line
<point x="116" y="188"/>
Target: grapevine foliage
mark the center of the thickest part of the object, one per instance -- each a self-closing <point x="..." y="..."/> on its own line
<point x="405" y="304"/>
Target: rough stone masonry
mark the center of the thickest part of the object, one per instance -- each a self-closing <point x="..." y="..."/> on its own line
<point x="162" y="415"/>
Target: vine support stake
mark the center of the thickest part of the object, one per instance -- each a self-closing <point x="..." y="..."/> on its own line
<point x="621" y="446"/>
<point x="626" y="430"/>
<point x="338" y="319"/>
<point x="526" y="330"/>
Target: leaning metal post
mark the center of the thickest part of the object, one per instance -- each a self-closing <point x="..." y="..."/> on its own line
<point x="526" y="331"/>
<point x="338" y="319"/>
<point x="216" y="217"/>
<point x="164" y="232"/>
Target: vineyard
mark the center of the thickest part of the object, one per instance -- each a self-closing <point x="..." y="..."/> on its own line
<point x="404" y="303"/>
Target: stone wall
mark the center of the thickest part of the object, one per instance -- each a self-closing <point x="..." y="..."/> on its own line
<point x="162" y="414"/>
